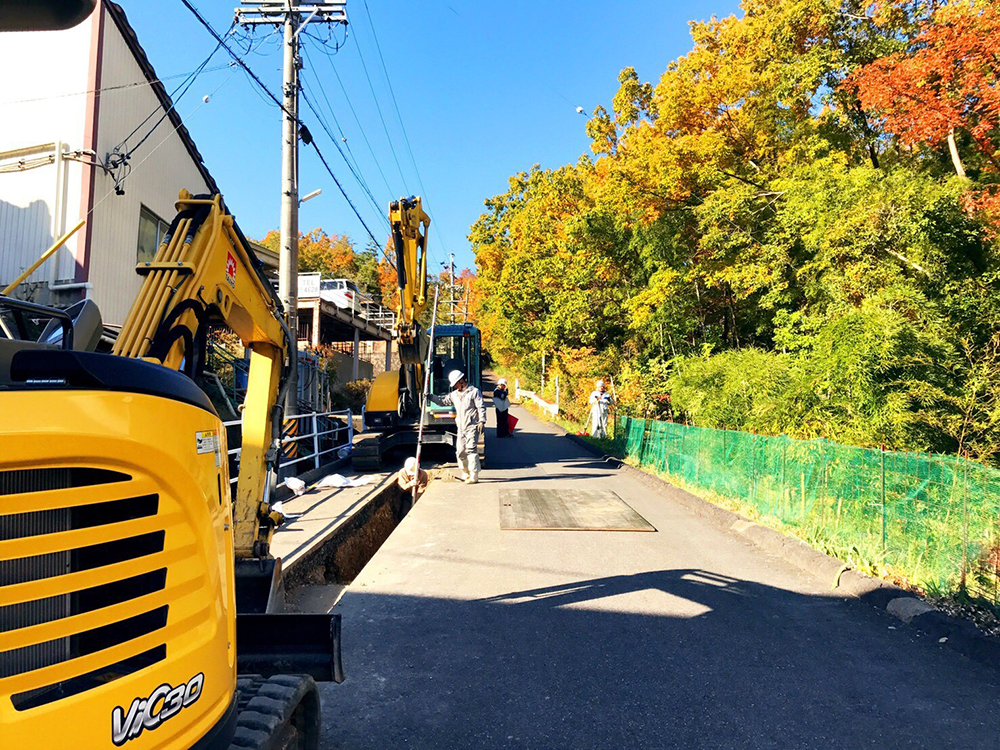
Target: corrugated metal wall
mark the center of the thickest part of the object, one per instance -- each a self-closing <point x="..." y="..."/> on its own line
<point x="46" y="106"/>
<point x="160" y="168"/>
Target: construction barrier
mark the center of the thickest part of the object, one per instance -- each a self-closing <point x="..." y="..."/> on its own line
<point x="929" y="520"/>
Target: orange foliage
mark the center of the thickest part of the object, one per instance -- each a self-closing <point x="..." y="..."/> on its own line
<point x="947" y="80"/>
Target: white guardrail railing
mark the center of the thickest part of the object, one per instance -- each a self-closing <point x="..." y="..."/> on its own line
<point x="310" y="421"/>
<point x="520" y="393"/>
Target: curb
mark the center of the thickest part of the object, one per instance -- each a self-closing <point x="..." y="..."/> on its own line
<point x="955" y="633"/>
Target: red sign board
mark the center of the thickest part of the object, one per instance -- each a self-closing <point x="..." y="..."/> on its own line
<point x="231" y="270"/>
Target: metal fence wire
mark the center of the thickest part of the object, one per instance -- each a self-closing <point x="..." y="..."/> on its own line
<point x="932" y="521"/>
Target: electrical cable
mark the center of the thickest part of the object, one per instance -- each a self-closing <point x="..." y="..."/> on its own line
<point x="312" y="142"/>
<point x="177" y="127"/>
<point x="364" y="133"/>
<point x="109" y="89"/>
<point x="399" y="116"/>
<point x="329" y="108"/>
<point x="360" y="180"/>
<point x="174" y="101"/>
<point x="392" y="94"/>
<point x="381" y="117"/>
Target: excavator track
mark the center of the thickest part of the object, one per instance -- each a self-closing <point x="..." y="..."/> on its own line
<point x="276" y="713"/>
<point x="367" y="454"/>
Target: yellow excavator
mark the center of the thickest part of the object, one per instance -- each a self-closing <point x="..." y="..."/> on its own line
<point x="139" y="602"/>
<point x="392" y="408"/>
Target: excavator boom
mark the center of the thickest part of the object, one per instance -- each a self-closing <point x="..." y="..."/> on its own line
<point x="393" y="403"/>
<point x="409" y="224"/>
<point x="203" y="271"/>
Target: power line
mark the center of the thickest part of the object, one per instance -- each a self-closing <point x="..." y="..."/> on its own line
<point x="378" y="108"/>
<point x="108" y="89"/>
<point x="117" y="163"/>
<point x="174" y="100"/>
<point x="349" y="202"/>
<point x="329" y="108"/>
<point x="392" y="94"/>
<point x="156" y="148"/>
<point x="357" y="176"/>
<point x="399" y="116"/>
<point x="364" y="134"/>
<point x="311" y="141"/>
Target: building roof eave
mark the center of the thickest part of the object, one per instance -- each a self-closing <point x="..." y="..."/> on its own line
<point x="117" y="14"/>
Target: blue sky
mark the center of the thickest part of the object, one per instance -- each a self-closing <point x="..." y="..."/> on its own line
<point x="485" y="90"/>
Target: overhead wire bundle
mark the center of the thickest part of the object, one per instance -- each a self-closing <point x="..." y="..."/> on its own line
<point x="303" y="129"/>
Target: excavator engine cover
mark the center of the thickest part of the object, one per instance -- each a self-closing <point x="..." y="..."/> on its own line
<point x="116" y="556"/>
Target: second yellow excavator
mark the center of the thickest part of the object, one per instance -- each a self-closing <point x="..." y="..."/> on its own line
<point x="392" y="409"/>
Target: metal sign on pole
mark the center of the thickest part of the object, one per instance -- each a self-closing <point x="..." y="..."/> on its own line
<point x="427" y="390"/>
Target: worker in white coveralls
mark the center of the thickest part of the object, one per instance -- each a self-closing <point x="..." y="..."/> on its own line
<point x="470" y="419"/>
<point x="600" y="403"/>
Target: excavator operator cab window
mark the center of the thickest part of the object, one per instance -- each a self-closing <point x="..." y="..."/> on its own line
<point x="449" y="354"/>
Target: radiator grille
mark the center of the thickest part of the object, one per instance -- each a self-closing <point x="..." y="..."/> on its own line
<point x="38" y="524"/>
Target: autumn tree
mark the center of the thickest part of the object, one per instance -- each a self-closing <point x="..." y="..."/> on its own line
<point x="764" y="238"/>
<point x="944" y="84"/>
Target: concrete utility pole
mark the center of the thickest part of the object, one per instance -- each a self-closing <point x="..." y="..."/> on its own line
<point x="293" y="17"/>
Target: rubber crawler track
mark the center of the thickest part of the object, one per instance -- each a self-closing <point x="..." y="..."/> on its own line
<point x="367" y="454"/>
<point x="276" y="713"/>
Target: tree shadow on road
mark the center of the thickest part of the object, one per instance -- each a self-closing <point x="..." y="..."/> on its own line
<point x="669" y="658"/>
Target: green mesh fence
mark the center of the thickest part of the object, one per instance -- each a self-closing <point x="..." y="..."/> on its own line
<point x="930" y="520"/>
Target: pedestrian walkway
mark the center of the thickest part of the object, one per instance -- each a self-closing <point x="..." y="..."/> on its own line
<point x="315" y="517"/>
<point x="460" y="634"/>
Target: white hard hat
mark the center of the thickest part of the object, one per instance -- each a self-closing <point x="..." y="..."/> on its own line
<point x="600" y="383"/>
<point x="410" y="465"/>
<point x="502" y="381"/>
<point x="454" y="376"/>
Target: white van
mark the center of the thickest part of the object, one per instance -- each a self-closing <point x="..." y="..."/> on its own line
<point x="344" y="294"/>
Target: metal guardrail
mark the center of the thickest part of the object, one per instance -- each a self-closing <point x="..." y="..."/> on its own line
<point x="381" y="316"/>
<point x="233" y="373"/>
<point x="521" y="393"/>
<point x="312" y="421"/>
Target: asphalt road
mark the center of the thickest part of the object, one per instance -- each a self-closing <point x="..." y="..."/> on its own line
<point x="458" y="634"/>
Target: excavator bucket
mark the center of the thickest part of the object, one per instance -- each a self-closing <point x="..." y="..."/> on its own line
<point x="289" y="643"/>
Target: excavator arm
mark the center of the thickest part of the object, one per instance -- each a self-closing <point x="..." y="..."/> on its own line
<point x="204" y="271"/>
<point x="409" y="238"/>
<point x="110" y="457"/>
<point x="394" y="397"/>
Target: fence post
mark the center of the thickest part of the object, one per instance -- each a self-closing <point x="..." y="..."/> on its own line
<point x="965" y="518"/>
<point x="350" y="426"/>
<point x="557" y="394"/>
<point x="753" y="469"/>
<point x="682" y="455"/>
<point x="884" y="537"/>
<point x="315" y="440"/>
<point x="784" y="455"/>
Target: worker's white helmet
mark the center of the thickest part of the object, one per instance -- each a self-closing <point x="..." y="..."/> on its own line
<point x="410" y="466"/>
<point x="454" y="376"/>
<point x="600" y="383"/>
<point x="502" y="381"/>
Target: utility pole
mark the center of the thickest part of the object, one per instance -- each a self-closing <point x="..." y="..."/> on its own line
<point x="293" y="17"/>
<point x="451" y="272"/>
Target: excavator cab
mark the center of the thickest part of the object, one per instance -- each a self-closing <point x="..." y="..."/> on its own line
<point x="456" y="347"/>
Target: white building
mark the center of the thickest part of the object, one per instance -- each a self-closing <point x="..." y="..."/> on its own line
<point x="69" y="98"/>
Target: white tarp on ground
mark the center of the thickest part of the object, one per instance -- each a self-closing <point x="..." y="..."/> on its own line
<point x="339" y="480"/>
